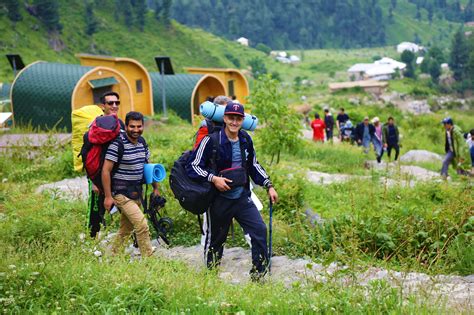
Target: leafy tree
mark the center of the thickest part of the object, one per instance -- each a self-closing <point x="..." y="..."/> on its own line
<point x="263" y="48"/>
<point x="48" y="13"/>
<point x="408" y="57"/>
<point x="258" y="67"/>
<point x="90" y="18"/>
<point x="459" y="55"/>
<point x="13" y="10"/>
<point x="281" y="124"/>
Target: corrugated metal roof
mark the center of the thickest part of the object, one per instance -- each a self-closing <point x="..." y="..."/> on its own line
<point x="178" y="89"/>
<point x="42" y="94"/>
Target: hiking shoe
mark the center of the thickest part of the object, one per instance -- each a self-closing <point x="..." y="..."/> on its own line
<point x="258" y="277"/>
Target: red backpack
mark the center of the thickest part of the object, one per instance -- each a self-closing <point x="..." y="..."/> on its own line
<point x="101" y="133"/>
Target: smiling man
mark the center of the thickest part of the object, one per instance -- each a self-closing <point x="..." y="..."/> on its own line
<point x="235" y="163"/>
<point x="124" y="187"/>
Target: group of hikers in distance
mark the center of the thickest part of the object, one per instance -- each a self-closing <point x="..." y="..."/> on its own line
<point x="386" y="137"/>
<point x="121" y="179"/>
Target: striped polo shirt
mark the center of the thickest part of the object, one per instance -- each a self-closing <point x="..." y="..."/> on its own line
<point x="132" y="162"/>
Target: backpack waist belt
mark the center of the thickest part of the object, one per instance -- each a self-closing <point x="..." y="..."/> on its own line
<point x="132" y="191"/>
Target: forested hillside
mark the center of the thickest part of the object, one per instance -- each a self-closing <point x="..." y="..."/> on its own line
<point x="325" y="23"/>
<point x="56" y="30"/>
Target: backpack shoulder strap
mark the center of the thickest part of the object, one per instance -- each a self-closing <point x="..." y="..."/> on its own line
<point x="215" y="139"/>
<point x="242" y="150"/>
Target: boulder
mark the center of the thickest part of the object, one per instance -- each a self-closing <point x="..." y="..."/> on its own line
<point x="416" y="156"/>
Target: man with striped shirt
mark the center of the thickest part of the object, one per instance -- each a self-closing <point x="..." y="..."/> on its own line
<point x="235" y="162"/>
<point x="123" y="182"/>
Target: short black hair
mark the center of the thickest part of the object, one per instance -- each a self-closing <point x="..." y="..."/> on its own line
<point x="316" y="115"/>
<point x="390" y="118"/>
<point x="133" y="116"/>
<point x="102" y="98"/>
<point x="326" y="110"/>
<point x="342" y="109"/>
<point x="472" y="132"/>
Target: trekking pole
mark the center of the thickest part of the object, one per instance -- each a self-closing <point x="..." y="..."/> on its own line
<point x="270" y="237"/>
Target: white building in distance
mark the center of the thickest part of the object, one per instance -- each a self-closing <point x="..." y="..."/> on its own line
<point x="243" y="41"/>
<point x="380" y="70"/>
<point x="408" y="46"/>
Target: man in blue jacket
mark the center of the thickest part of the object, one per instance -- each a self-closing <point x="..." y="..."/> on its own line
<point x="235" y="162"/>
<point x="364" y="134"/>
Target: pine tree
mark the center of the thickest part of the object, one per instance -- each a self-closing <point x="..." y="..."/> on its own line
<point x="13" y="8"/>
<point x="459" y="55"/>
<point x="140" y="13"/>
<point x="90" y="18"/>
<point x="166" y="12"/>
<point x="48" y="13"/>
<point x="435" y="71"/>
<point x="158" y="6"/>
<point x="408" y="57"/>
<point x="127" y="13"/>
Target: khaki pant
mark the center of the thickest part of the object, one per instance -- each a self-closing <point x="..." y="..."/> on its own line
<point x="132" y="219"/>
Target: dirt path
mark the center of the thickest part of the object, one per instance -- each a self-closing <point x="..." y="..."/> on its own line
<point x="457" y="291"/>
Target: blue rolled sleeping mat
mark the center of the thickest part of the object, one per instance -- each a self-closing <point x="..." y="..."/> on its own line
<point x="215" y="112"/>
<point x="154" y="173"/>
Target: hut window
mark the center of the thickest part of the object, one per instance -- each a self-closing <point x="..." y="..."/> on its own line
<point x="139" y="86"/>
<point x="231" y="87"/>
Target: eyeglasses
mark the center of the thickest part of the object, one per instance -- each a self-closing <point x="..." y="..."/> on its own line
<point x="112" y="103"/>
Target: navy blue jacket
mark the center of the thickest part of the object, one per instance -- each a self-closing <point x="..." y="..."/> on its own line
<point x="199" y="167"/>
<point x="359" y="132"/>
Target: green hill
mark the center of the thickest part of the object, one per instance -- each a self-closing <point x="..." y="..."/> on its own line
<point x="187" y="47"/>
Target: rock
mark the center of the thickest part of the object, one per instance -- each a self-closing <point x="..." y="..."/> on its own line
<point x="313" y="217"/>
<point x="71" y="188"/>
<point x="327" y="179"/>
<point x="418" y="107"/>
<point x="416" y="156"/>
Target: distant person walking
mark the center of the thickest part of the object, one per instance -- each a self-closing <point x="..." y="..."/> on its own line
<point x="318" y="127"/>
<point x="364" y="134"/>
<point x="391" y="138"/>
<point x="455" y="148"/>
<point x="377" y="139"/>
<point x="329" y="122"/>
<point x="341" y="119"/>
<point x="470" y="144"/>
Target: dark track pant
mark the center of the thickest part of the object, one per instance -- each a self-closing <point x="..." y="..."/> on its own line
<point x="219" y="219"/>
<point x="96" y="212"/>
<point x="395" y="147"/>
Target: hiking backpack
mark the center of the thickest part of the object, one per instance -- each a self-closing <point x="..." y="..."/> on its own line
<point x="192" y="195"/>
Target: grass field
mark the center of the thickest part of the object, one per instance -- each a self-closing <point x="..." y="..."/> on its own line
<point x="47" y="267"/>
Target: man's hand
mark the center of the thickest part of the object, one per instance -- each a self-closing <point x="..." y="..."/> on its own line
<point x="359" y="141"/>
<point x="273" y="195"/>
<point x="108" y="203"/>
<point x="221" y="183"/>
<point x="95" y="189"/>
<point x="385" y="145"/>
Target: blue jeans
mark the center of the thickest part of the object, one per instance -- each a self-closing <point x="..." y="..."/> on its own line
<point x="471" y="150"/>
<point x="448" y="159"/>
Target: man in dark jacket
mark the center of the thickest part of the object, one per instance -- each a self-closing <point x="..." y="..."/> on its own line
<point x="391" y="138"/>
<point x="364" y="134"/>
<point x="235" y="162"/>
<point x="329" y="122"/>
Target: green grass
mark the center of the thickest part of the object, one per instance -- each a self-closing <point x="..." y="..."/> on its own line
<point x="47" y="267"/>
